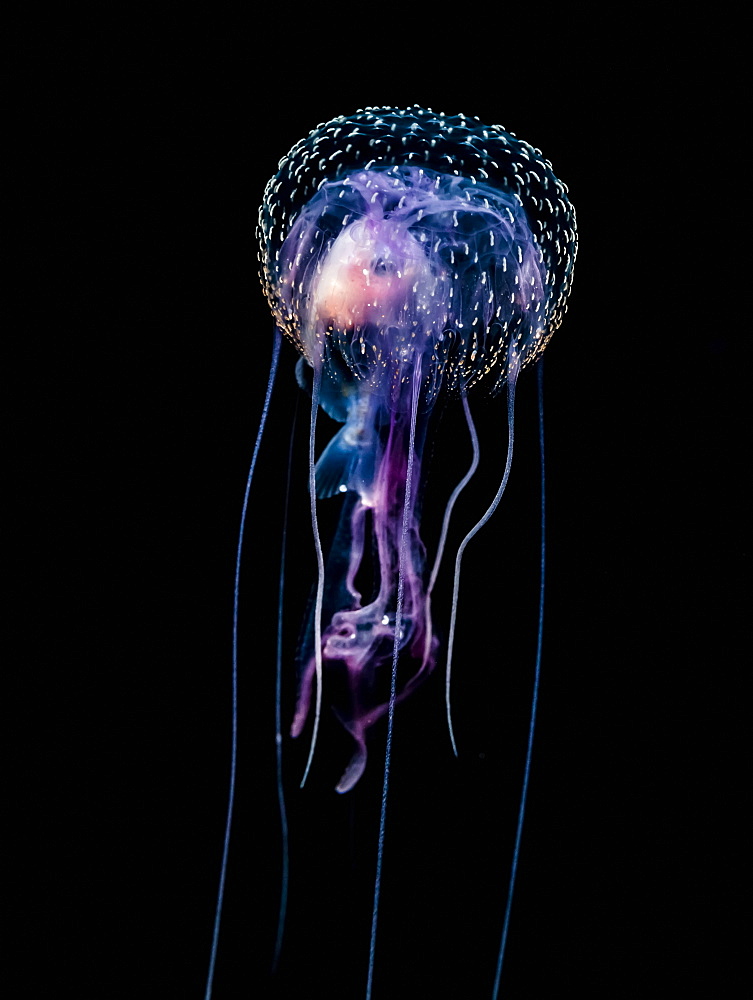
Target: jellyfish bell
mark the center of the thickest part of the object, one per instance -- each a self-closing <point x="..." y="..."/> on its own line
<point x="392" y="180"/>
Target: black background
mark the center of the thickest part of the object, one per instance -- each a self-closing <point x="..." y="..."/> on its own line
<point x="145" y="345"/>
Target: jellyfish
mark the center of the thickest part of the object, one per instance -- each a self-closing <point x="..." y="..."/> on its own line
<point x="410" y="258"/>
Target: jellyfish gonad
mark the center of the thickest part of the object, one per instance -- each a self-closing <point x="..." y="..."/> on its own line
<point x="409" y="257"/>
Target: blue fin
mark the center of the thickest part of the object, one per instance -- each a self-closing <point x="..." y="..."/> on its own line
<point x="335" y="467"/>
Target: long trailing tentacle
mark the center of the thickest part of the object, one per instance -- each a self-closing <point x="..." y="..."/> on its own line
<point x="446" y="524"/>
<point x="315" y="391"/>
<point x="234" y="682"/>
<point x="534" y="696"/>
<point x="511" y="382"/>
<point x="284" y="838"/>
<point x="407" y="502"/>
